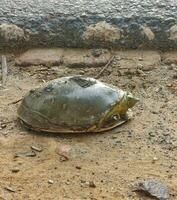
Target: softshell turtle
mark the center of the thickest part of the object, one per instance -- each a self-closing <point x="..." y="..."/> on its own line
<point x="75" y="104"/>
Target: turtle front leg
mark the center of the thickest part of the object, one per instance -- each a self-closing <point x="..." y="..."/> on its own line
<point x="127" y="116"/>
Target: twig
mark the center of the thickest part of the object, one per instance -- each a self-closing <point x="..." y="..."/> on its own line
<point x="4" y="70"/>
<point x="123" y="68"/>
<point x="104" y="68"/>
<point x="14" y="102"/>
<point x="42" y="69"/>
<point x="64" y="156"/>
<point x="8" y="122"/>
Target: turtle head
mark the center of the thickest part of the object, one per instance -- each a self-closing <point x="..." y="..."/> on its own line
<point x="120" y="108"/>
<point x="130" y="100"/>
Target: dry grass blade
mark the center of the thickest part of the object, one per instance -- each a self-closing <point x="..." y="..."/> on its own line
<point x="105" y="67"/>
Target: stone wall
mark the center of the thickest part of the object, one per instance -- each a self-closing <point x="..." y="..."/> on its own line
<point x="111" y="24"/>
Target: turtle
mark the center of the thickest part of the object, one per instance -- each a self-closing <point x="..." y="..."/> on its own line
<point x="75" y="104"/>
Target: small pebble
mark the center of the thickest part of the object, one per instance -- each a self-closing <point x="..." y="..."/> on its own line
<point x="172" y="66"/>
<point x="9" y="189"/>
<point x="140" y="66"/>
<point x="166" y="134"/>
<point x="140" y="72"/>
<point x="67" y="183"/>
<point x="169" y="84"/>
<point x="50" y="181"/>
<point x="170" y="176"/>
<point x="63" y="158"/>
<point x="78" y="167"/>
<point x="82" y="72"/>
<point x="114" y="137"/>
<point x="15" y="170"/>
<point x="152" y="134"/>
<point x="3" y="126"/>
<point x="39" y="149"/>
<point x="154" y="112"/>
<point x="92" y="184"/>
<point x="175" y="76"/>
<point x="118" y="58"/>
<point x="154" y="159"/>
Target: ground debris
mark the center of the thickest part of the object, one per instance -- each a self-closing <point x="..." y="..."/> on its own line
<point x="4" y="123"/>
<point x="10" y="189"/>
<point x="153" y="188"/>
<point x="2" y="126"/>
<point x="172" y="87"/>
<point x="154" y="159"/>
<point x="15" y="102"/>
<point x="63" y="151"/>
<point x="78" y="167"/>
<point x="105" y="67"/>
<point x="4" y="70"/>
<point x="50" y="181"/>
<point x="90" y="184"/>
<point x="63" y="158"/>
<point x="15" y="169"/>
<point x="36" y="148"/>
<point x="25" y="154"/>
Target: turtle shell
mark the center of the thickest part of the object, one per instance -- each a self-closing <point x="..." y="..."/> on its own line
<point x="70" y="104"/>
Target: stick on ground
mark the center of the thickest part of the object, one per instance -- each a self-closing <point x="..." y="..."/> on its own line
<point x="104" y="68"/>
<point x="15" y="102"/>
<point x="4" y="69"/>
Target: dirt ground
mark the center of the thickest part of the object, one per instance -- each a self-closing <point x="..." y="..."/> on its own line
<point x="94" y="166"/>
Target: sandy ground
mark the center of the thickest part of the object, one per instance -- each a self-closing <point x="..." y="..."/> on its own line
<point x="99" y="166"/>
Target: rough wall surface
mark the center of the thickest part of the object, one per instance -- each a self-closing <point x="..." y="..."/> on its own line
<point x="84" y="23"/>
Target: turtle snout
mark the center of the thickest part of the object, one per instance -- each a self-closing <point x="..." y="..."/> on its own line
<point x="131" y="100"/>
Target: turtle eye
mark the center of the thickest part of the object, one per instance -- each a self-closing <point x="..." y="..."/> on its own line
<point x="115" y="117"/>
